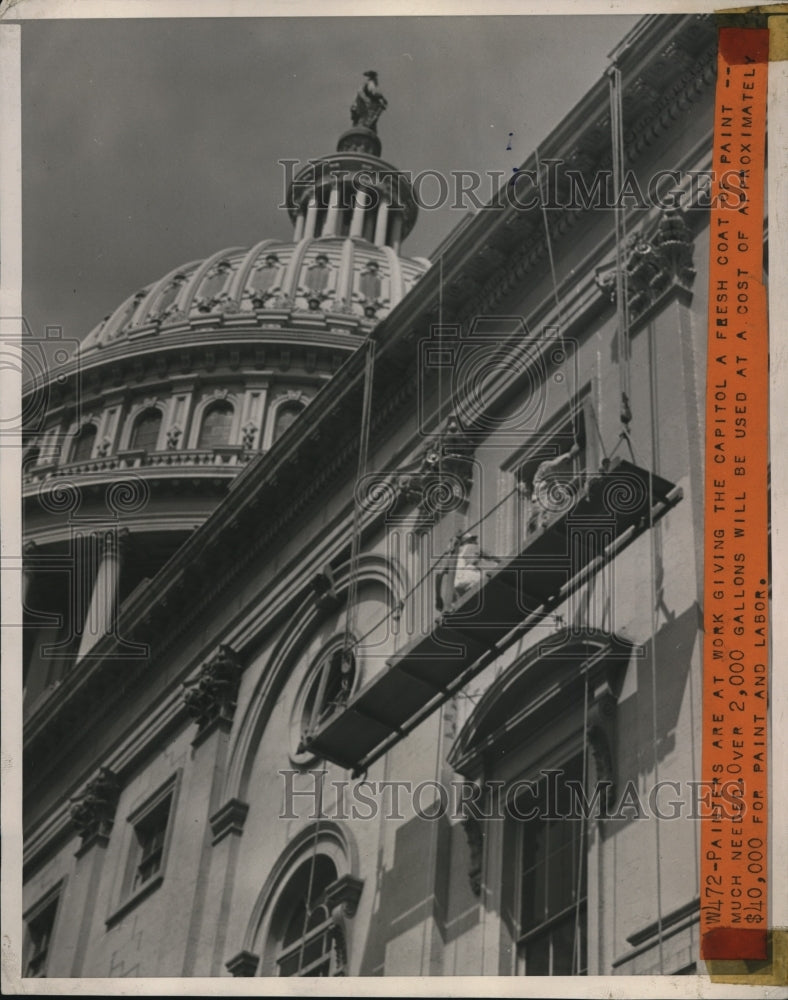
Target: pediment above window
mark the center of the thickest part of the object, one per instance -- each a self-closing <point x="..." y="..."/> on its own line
<point x="548" y="681"/>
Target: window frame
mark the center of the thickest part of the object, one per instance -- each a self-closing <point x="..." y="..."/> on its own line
<point x="559" y="434"/>
<point x="326" y="929"/>
<point x="132" y="892"/>
<point x="76" y="440"/>
<point x="547" y="926"/>
<point x="212" y="406"/>
<point x="51" y="899"/>
<point x="138" y="418"/>
<point x="316" y="676"/>
<point x="333" y="953"/>
<point x="296" y="406"/>
<point x="508" y="746"/>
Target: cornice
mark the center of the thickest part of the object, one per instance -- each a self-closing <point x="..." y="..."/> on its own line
<point x="272" y="348"/>
<point x="515" y="243"/>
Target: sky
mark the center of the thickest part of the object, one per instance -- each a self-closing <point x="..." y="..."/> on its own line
<point x="147" y="144"/>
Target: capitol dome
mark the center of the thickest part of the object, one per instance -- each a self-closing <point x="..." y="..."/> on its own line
<point x="192" y="377"/>
<point x="347" y="281"/>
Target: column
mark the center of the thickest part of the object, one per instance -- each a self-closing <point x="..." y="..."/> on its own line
<point x="311" y="219"/>
<point x="396" y="230"/>
<point x="100" y="617"/>
<point x="381" y="223"/>
<point x="298" y="234"/>
<point x="333" y="214"/>
<point x="360" y="207"/>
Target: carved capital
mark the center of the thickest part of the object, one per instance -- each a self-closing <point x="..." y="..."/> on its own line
<point x="93" y="810"/>
<point x="210" y="697"/>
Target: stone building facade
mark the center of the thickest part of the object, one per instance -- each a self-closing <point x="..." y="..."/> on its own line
<point x="320" y="522"/>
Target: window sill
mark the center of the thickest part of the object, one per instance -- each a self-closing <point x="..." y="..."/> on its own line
<point x="127" y="905"/>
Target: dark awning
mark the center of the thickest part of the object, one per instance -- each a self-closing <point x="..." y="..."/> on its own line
<point x="608" y="511"/>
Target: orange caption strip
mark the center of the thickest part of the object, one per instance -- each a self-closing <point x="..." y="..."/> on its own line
<point x="733" y="890"/>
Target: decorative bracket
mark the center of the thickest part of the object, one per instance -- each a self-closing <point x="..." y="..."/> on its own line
<point x="652" y="264"/>
<point x="93" y="811"/>
<point x="341" y="897"/>
<point x="440" y="480"/>
<point x="243" y="964"/>
<point x="229" y="819"/>
<point x="210" y="697"/>
<point x="474" y="834"/>
<point x="600" y="732"/>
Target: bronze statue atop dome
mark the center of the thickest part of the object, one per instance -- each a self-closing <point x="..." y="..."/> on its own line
<point x="369" y="104"/>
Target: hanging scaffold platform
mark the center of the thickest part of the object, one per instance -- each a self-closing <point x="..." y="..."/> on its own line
<point x="606" y="512"/>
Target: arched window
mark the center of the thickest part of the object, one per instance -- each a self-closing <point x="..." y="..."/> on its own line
<point x="300" y="924"/>
<point x="330" y="687"/>
<point x="216" y="425"/>
<point x="309" y="942"/>
<point x="82" y="447"/>
<point x="286" y="414"/>
<point x="556" y="781"/>
<point x="145" y="435"/>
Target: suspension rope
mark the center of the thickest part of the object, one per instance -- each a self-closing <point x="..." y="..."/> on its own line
<point x="654" y="722"/>
<point x="653" y="532"/>
<point x="355" y="545"/>
<point x="312" y="866"/>
<point x="622" y="294"/>
<point x="653" y="537"/>
<point x="576" y="947"/>
<point x="440" y="367"/>
<point x="601" y="440"/>
<point x="571" y="395"/>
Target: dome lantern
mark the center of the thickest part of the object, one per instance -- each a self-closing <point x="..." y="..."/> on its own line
<point x="355" y="193"/>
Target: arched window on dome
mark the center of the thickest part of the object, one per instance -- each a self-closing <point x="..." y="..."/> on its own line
<point x="82" y="445"/>
<point x="216" y="425"/>
<point x="145" y="434"/>
<point x="286" y="414"/>
<point x="308" y="941"/>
